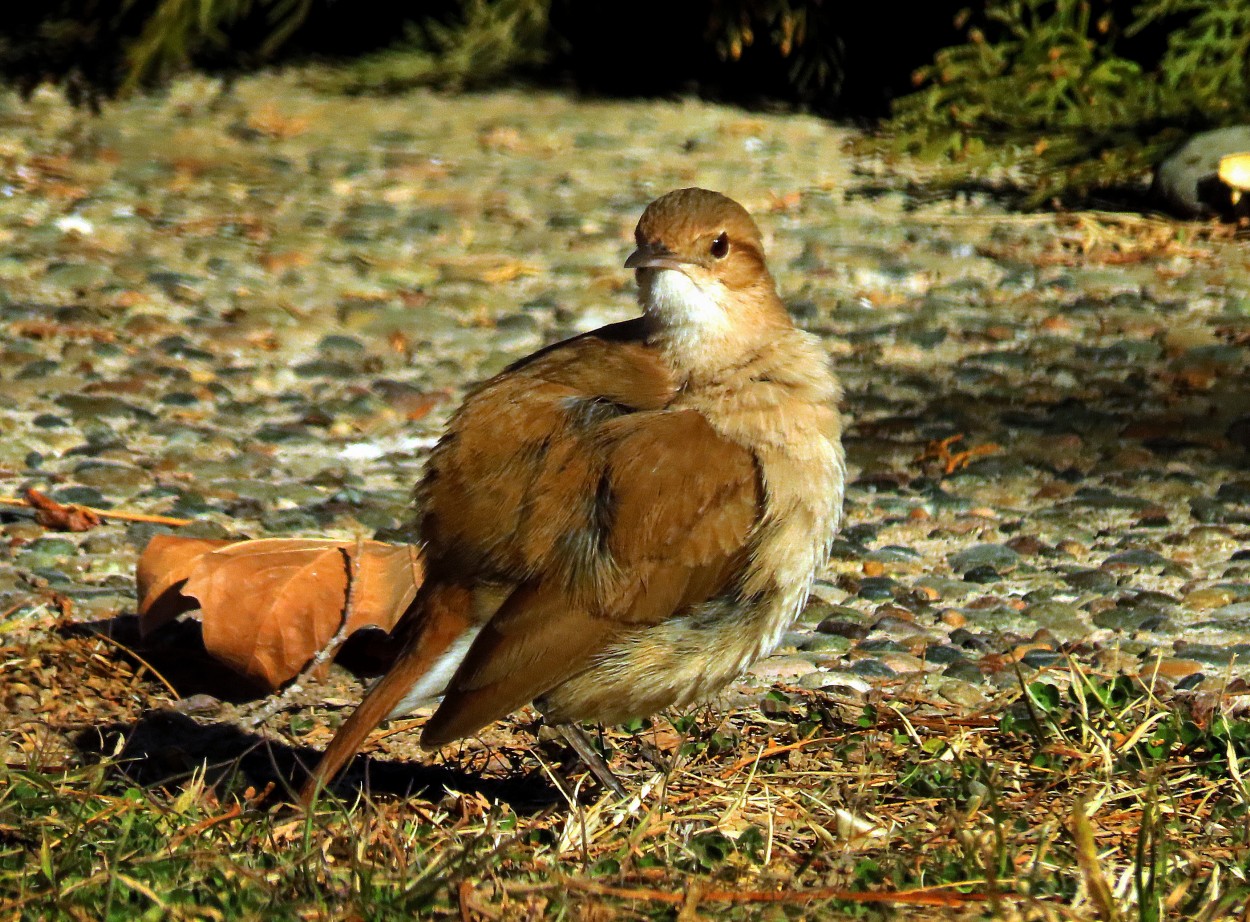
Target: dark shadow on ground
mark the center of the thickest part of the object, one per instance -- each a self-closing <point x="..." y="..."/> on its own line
<point x="165" y="748"/>
<point x="1131" y="198"/>
<point x="176" y="652"/>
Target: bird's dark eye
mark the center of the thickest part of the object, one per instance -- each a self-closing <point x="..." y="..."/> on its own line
<point x="720" y="246"/>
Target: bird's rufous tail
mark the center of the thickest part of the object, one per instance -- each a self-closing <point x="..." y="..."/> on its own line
<point x="442" y="617"/>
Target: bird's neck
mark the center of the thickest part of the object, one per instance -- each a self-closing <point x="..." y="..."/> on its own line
<point x="704" y="334"/>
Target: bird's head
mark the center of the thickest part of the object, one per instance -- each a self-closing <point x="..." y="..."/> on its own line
<point x="701" y="270"/>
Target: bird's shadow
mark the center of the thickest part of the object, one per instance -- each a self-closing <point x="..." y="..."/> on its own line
<point x="166" y="747"/>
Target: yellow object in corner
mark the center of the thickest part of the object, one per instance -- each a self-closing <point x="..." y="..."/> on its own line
<point x="1235" y="173"/>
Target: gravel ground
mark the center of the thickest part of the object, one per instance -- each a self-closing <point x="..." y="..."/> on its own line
<point x="256" y="308"/>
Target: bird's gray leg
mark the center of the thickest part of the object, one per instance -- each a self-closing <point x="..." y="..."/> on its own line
<point x="588" y="754"/>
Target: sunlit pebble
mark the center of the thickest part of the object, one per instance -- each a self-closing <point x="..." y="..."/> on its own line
<point x="416" y="442"/>
<point x="8" y="191"/>
<point x="362" y="451"/>
<point x="74" y="224"/>
<point x="753" y="145"/>
<point x="372" y="451"/>
<point x="1064" y="379"/>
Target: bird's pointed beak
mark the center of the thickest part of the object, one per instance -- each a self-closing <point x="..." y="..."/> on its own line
<point x="653" y="256"/>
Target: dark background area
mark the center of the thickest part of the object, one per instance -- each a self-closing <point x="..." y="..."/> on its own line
<point x="644" y="48"/>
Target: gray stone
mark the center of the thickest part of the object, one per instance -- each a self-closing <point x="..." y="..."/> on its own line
<point x="824" y="643"/>
<point x="1186" y="182"/>
<point x="77" y="276"/>
<point x="1235" y="611"/>
<point x="47" y="552"/>
<point x="996" y="557"/>
<point x="877" y="588"/>
<point x="961" y="693"/>
<point x="816" y="611"/>
<point x="1038" y="659"/>
<point x="112" y="476"/>
<point x="944" y="655"/>
<point x="964" y="672"/>
<point x="1091" y="580"/>
<point x="1143" y="559"/>
<point x="1060" y="618"/>
<point x="94" y="406"/>
<point x="82" y="496"/>
<point x="946" y="588"/>
<point x="871" y="667"/>
<point x="893" y="553"/>
<point x="840" y="626"/>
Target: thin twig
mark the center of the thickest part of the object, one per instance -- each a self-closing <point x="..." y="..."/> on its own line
<point x="326" y="653"/>
<point x="939" y="895"/>
<point x="117" y="514"/>
<point x="144" y="663"/>
<point x="233" y="813"/>
<point x="963" y="219"/>
<point x="778" y="750"/>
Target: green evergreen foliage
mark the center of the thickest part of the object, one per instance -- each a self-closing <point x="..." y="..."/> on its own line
<point x="1074" y="94"/>
<point x="177" y="29"/>
<point x="102" y="47"/>
<point x="486" y="41"/>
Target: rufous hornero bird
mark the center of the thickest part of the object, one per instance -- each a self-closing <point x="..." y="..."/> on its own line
<point x="624" y="521"/>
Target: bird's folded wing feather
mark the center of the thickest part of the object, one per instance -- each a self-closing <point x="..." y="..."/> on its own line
<point x="516" y="471"/>
<point x="660" y="520"/>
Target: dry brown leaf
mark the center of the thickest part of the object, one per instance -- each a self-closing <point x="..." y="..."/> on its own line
<point x="501" y="137"/>
<point x="491" y="270"/>
<point x="269" y="606"/>
<point x="940" y="450"/>
<point x="51" y="514"/>
<point x="787" y="201"/>
<point x="161" y="573"/>
<point x="417" y="406"/>
<point x="267" y="120"/>
<point x="45" y="329"/>
<point x="283" y="260"/>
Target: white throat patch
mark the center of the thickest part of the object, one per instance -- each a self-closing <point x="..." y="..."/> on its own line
<point x="672" y="297"/>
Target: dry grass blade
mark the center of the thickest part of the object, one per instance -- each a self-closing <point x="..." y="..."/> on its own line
<point x="923" y="896"/>
<point x="1096" y="885"/>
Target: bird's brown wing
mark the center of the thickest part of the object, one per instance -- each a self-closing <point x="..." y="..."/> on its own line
<point x="516" y="472"/>
<point x="509" y="495"/>
<point x="676" y="507"/>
